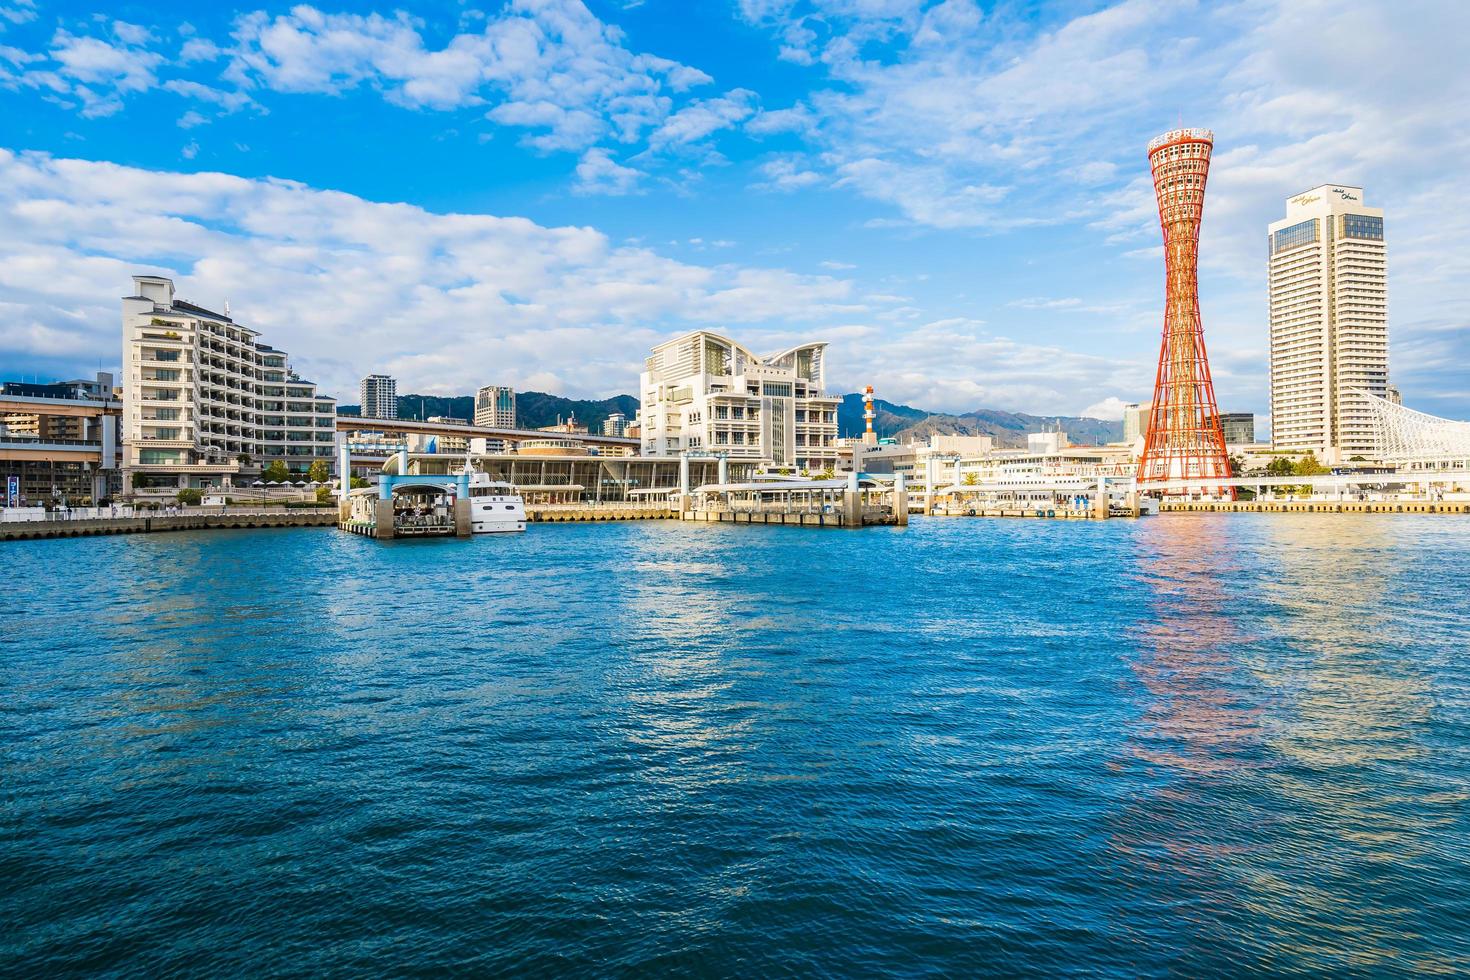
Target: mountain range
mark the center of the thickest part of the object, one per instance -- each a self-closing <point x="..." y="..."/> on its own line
<point x="535" y="409"/>
<point x="906" y="423"/>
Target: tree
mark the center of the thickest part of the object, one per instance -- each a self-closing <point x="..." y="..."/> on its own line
<point x="1280" y="466"/>
<point x="276" y="471"/>
<point x="1237" y="466"/>
<point x="357" y="483"/>
<point x="1308" y="466"/>
<point x="319" y="472"/>
<point x="324" y="495"/>
<point x="191" y="496"/>
<point x="972" y="479"/>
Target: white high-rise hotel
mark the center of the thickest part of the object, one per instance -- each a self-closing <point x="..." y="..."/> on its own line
<point x="205" y="402"/>
<point x="705" y="393"/>
<point x="1329" y="323"/>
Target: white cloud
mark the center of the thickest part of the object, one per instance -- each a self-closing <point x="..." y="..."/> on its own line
<point x="18" y="12"/>
<point x="349" y="285"/>
<point x="547" y="65"/>
<point x="704" y="117"/>
<point x="191" y="119"/>
<point x="329" y="276"/>
<point x="1109" y="408"/>
<point x="599" y="173"/>
<point x="787" y="174"/>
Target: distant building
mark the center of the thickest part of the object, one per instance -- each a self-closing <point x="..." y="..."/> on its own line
<point x="1328" y="273"/>
<point x="615" y="424"/>
<point x="495" y="407"/>
<point x="1239" y="427"/>
<point x="964" y="445"/>
<point x="1391" y="394"/>
<point x="204" y="399"/>
<point x="456" y="444"/>
<point x="704" y="393"/>
<point x="1135" y="421"/>
<point x="1046" y="442"/>
<point x="570" y="427"/>
<point x="378" y="397"/>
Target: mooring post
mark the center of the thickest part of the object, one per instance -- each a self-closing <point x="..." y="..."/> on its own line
<point x="684" y="501"/>
<point x="1100" y="506"/>
<point x="900" y="500"/>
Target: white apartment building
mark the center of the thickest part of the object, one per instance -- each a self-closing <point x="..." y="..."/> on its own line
<point x="1328" y="273"/>
<point x="495" y="406"/>
<point x="205" y="402"/>
<point x="615" y="424"/>
<point x="378" y="397"/>
<point x="704" y="393"/>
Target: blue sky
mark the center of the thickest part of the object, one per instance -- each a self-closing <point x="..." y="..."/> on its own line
<point x="955" y="194"/>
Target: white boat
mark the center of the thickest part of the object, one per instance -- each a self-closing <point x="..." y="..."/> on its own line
<point x="495" y="508"/>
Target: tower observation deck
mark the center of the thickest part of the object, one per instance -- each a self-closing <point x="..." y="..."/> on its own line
<point x="1184" y="439"/>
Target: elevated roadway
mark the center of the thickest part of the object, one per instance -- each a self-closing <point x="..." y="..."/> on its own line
<point x="354" y="423"/>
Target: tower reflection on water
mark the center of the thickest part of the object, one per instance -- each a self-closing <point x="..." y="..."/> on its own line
<point x="1280" y="721"/>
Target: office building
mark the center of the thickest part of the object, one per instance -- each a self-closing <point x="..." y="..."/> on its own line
<point x="495" y="407"/>
<point x="1239" y="428"/>
<point x="205" y="402"/>
<point x="1329" y="323"/>
<point x="704" y="393"/>
<point x="378" y="397"/>
<point x="1135" y="421"/>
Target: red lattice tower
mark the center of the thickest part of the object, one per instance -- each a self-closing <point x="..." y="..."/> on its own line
<point x="1185" y="440"/>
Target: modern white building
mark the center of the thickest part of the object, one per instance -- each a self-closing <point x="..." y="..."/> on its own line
<point x="205" y="402"/>
<point x="378" y="397"/>
<point x="495" y="406"/>
<point x="1328" y="273"/>
<point x="704" y="393"/>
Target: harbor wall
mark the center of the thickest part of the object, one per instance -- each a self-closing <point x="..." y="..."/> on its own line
<point x="30" y="530"/>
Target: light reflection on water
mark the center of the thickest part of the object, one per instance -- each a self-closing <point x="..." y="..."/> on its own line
<point x="1192" y="745"/>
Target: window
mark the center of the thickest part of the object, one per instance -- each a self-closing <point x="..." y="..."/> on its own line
<point x="1362" y="226"/>
<point x="777" y="389"/>
<point x="1301" y="233"/>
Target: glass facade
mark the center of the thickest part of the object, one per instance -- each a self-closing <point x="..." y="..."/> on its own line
<point x="1362" y="226"/>
<point x="1302" y="233"/>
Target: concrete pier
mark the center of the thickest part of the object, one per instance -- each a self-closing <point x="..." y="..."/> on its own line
<point x="20" y="531"/>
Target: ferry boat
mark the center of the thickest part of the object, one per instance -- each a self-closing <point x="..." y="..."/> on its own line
<point x="495" y="508"/>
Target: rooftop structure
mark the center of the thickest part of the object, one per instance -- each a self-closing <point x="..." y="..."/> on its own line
<point x="1415" y="440"/>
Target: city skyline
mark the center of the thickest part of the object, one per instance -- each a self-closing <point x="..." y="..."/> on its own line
<point x="967" y="222"/>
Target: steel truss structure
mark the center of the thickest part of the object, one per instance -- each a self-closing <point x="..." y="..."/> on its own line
<point x="1411" y="438"/>
<point x="1185" y="440"/>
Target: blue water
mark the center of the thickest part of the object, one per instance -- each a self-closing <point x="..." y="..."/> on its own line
<point x="1186" y="745"/>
